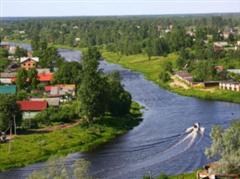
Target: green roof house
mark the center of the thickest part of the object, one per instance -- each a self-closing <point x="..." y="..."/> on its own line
<point x="8" y="89"/>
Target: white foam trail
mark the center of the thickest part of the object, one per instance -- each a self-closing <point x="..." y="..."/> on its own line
<point x="175" y="150"/>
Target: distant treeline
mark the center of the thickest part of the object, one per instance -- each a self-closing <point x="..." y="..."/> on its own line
<point x="127" y="34"/>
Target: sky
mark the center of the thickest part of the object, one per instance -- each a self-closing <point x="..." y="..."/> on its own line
<point x="16" y="8"/>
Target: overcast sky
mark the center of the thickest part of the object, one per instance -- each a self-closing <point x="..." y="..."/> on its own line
<point x="113" y="7"/>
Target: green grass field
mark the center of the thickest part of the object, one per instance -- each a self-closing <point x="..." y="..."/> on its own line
<point x="151" y="69"/>
<point x="31" y="148"/>
<point x="184" y="176"/>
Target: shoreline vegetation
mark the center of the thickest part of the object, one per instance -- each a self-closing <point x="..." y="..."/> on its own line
<point x="40" y="146"/>
<point x="151" y="68"/>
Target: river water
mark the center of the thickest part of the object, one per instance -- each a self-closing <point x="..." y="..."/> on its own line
<point x="160" y="142"/>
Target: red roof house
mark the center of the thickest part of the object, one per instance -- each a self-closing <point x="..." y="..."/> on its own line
<point x="45" y="77"/>
<point x="32" y="105"/>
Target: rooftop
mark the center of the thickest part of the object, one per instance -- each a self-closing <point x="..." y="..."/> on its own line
<point x="32" y="105"/>
<point x="8" y="89"/>
<point x="23" y="59"/>
<point x="44" y="77"/>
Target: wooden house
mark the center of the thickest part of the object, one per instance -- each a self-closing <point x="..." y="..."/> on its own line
<point x="31" y="108"/>
<point x="29" y="62"/>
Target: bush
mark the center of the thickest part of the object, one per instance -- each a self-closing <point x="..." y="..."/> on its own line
<point x="65" y="113"/>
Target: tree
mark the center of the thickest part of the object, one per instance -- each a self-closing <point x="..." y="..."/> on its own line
<point x="32" y="78"/>
<point x="21" y="79"/>
<point x="119" y="100"/>
<point x="20" y="52"/>
<point x="149" y="48"/>
<point x="56" y="168"/>
<point x="69" y="73"/>
<point x="165" y="71"/>
<point x="8" y="110"/>
<point x="50" y="58"/>
<point x="225" y="145"/>
<point x="92" y="90"/>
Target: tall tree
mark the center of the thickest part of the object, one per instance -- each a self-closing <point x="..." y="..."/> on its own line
<point x="69" y="73"/>
<point x="8" y="111"/>
<point x="21" y="79"/>
<point x="92" y="91"/>
<point x="32" y="78"/>
<point x="119" y="100"/>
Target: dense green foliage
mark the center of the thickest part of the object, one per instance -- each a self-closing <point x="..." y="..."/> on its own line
<point x="226" y="146"/>
<point x="27" y="80"/>
<point x="20" y="52"/>
<point x="4" y="62"/>
<point x="100" y="93"/>
<point x="65" y="113"/>
<point x="56" y="168"/>
<point x="68" y="73"/>
<point x="8" y="111"/>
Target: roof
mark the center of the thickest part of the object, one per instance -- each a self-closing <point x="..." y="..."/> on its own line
<point x="221" y="44"/>
<point x="183" y="74"/>
<point x="51" y="101"/>
<point x="8" y="75"/>
<point x="8" y="89"/>
<point x="23" y="59"/>
<point x="43" y="77"/>
<point x="32" y="105"/>
<point x="43" y="70"/>
<point x="61" y="86"/>
<point x="236" y="71"/>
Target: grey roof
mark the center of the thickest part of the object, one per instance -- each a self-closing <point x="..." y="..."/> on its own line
<point x="8" y="75"/>
<point x="51" y="101"/>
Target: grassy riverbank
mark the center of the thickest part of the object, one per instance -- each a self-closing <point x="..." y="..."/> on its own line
<point x="184" y="176"/>
<point x="31" y="148"/>
<point x="151" y="69"/>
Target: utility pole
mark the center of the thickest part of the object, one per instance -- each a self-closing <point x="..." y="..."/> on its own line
<point x="9" y="146"/>
<point x="15" y="126"/>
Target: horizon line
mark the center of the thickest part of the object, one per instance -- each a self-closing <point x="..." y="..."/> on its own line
<point x="122" y="15"/>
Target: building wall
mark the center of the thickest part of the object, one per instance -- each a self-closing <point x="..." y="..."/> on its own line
<point x="229" y="86"/>
<point x="29" y="115"/>
<point x="29" y="64"/>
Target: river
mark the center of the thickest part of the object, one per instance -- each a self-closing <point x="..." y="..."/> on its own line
<point x="159" y="143"/>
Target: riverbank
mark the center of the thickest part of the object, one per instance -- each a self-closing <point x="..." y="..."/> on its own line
<point x="28" y="149"/>
<point x="151" y="68"/>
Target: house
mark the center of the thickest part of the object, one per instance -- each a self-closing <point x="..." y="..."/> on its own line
<point x="51" y="101"/>
<point x="29" y="62"/>
<point x="218" y="46"/>
<point x="235" y="71"/>
<point x="12" y="49"/>
<point x="231" y="86"/>
<point x="8" y="89"/>
<point x="7" y="78"/>
<point x="45" y="77"/>
<point x="61" y="90"/>
<point x="219" y="68"/>
<point x="209" y="84"/>
<point x="43" y="70"/>
<point x="208" y="172"/>
<point x="185" y="76"/>
<point x="31" y="108"/>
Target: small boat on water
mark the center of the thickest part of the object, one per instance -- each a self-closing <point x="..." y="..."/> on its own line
<point x="195" y="128"/>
